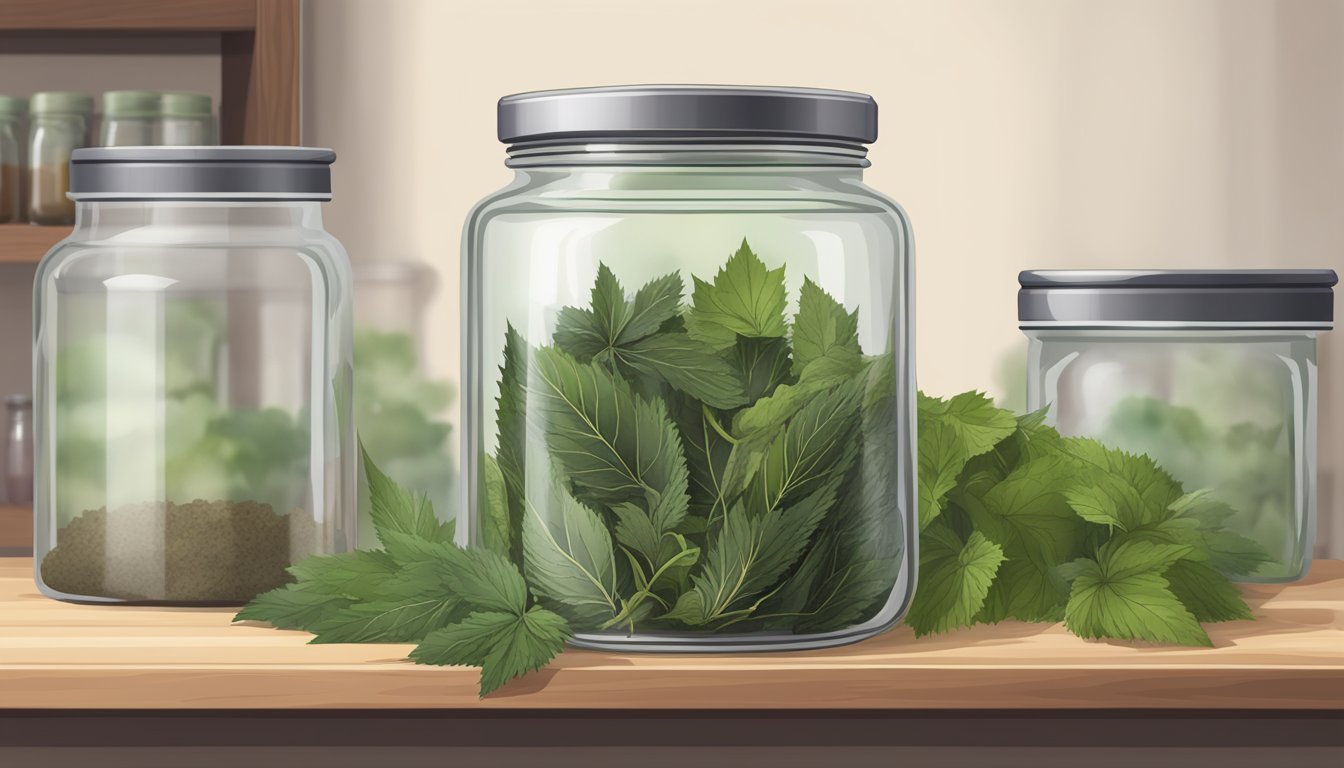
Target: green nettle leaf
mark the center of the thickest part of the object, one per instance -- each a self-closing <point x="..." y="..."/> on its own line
<point x="747" y="557"/>
<point x="687" y="365"/>
<point x="504" y="645"/>
<point x="942" y="456"/>
<point x="763" y="364"/>
<point x="359" y="574"/>
<point x="1206" y="592"/>
<point x="388" y="621"/>
<point x="816" y="448"/>
<point x="1155" y="487"/>
<point x="1028" y="514"/>
<point x="396" y="510"/>
<point x="655" y="304"/>
<point x="614" y="323"/>
<point x="613" y="445"/>
<point x="496" y="533"/>
<point x="745" y="299"/>
<point x="486" y="580"/>
<point x="512" y="425"/>
<point x="1101" y="498"/>
<point x="757" y="427"/>
<point x="570" y="561"/>
<point x="955" y="579"/>
<point x="822" y="325"/>
<point x="1122" y="594"/>
<point x="293" y="606"/>
<point x="979" y="424"/>
<point x="707" y="448"/>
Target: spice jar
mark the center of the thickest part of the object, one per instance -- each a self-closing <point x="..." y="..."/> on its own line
<point x="192" y="363"/>
<point x="12" y="175"/>
<point x="689" y="381"/>
<point x="1210" y="373"/>
<point x="19" y="450"/>
<point x="130" y="118"/>
<point x="186" y="120"/>
<point x="60" y="124"/>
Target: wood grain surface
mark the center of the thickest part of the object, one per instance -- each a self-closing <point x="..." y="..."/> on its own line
<point x="26" y="243"/>
<point x="119" y="15"/>
<point x="16" y="530"/>
<point x="58" y="655"/>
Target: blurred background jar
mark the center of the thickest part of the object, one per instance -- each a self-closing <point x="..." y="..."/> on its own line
<point x="400" y="411"/>
<point x="12" y="112"/>
<point x="186" y="119"/>
<point x="19" y="449"/>
<point x="60" y="125"/>
<point x="130" y="118"/>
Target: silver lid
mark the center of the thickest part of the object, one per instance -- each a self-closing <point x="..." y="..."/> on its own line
<point x="201" y="173"/>
<point x="688" y="111"/>
<point x="1190" y="298"/>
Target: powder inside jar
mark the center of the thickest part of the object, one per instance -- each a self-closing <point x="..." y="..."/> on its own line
<point x="199" y="552"/>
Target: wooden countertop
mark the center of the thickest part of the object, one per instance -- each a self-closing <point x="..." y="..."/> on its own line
<point x="56" y="655"/>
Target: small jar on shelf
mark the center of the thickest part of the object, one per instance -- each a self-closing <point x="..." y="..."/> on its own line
<point x="130" y="118"/>
<point x="186" y="120"/>
<point x="60" y="125"/>
<point x="12" y="112"/>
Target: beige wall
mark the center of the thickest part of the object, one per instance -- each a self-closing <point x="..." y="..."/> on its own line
<point x="1033" y="133"/>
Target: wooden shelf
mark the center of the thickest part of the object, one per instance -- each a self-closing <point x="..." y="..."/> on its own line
<point x="128" y="15"/>
<point x="258" y="41"/>
<point x="27" y="243"/>
<point x="16" y="528"/>
<point x="62" y="656"/>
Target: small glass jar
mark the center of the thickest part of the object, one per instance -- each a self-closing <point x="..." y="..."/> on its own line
<point x="689" y="389"/>
<point x="1210" y="373"/>
<point x="12" y="173"/>
<point x="130" y="119"/>
<point x="186" y="120"/>
<point x="192" y="368"/>
<point x="60" y="125"/>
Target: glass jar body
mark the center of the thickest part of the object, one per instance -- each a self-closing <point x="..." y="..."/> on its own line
<point x="187" y="131"/>
<point x="54" y="137"/>
<point x="11" y="172"/>
<point x="129" y="131"/>
<point x="682" y="374"/>
<point x="192" y="373"/>
<point x="1230" y="411"/>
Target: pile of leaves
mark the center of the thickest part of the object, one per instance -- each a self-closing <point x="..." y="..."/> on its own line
<point x="717" y="466"/>
<point x="1017" y="522"/>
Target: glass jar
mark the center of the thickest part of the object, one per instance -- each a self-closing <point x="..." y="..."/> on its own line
<point x="60" y="124"/>
<point x="689" y="380"/>
<point x="1210" y="373"/>
<point x="12" y="112"/>
<point x="19" y="450"/>
<point x="130" y="118"/>
<point x="192" y="373"/>
<point x="187" y="120"/>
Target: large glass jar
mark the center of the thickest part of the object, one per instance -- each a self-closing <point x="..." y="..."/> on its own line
<point x="12" y="174"/>
<point x="60" y="124"/>
<point x="192" y="377"/>
<point x="1210" y="373"/>
<point x="130" y="119"/>
<point x="689" y="386"/>
<point x="187" y="120"/>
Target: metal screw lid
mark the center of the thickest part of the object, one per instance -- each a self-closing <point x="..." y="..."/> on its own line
<point x="1192" y="298"/>
<point x="689" y="112"/>
<point x="201" y="173"/>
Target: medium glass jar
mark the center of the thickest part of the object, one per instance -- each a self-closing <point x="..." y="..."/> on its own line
<point x="12" y="175"/>
<point x="60" y="124"/>
<point x="689" y="381"/>
<point x="130" y="119"/>
<point x="186" y="120"/>
<point x="19" y="450"/>
<point x="192" y="377"/>
<point x="1210" y="373"/>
